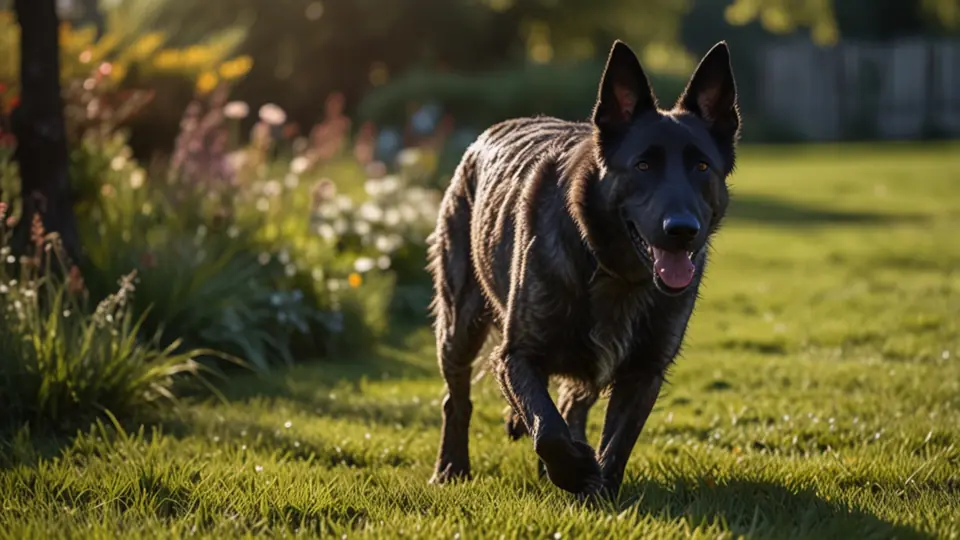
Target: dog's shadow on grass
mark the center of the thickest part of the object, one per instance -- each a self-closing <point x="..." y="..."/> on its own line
<point x="768" y="210"/>
<point x="753" y="509"/>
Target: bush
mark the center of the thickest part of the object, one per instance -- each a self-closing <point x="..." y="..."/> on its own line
<point x="250" y="249"/>
<point x="482" y="99"/>
<point x="59" y="361"/>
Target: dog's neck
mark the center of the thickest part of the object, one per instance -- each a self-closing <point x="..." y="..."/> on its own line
<point x="603" y="236"/>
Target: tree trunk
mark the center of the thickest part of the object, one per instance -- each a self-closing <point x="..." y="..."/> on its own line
<point x="38" y="124"/>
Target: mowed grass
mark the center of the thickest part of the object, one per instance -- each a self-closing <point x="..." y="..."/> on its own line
<point x="818" y="397"/>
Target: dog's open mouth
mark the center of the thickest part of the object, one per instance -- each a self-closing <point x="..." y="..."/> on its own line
<point x="673" y="271"/>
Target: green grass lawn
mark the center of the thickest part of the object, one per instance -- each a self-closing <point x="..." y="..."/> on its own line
<point x="818" y="397"/>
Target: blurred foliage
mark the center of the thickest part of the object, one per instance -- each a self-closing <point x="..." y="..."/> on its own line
<point x="828" y="20"/>
<point x="248" y="247"/>
<point x="128" y="53"/>
<point x="482" y="99"/>
<point x="327" y="47"/>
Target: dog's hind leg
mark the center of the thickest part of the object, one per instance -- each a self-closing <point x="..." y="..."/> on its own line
<point x="575" y="402"/>
<point x="462" y="324"/>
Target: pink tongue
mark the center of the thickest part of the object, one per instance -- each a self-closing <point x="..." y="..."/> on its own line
<point x="675" y="269"/>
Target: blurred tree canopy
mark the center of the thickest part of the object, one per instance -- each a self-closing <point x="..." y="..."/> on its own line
<point x="827" y="20"/>
<point x="304" y="50"/>
<point x="314" y="47"/>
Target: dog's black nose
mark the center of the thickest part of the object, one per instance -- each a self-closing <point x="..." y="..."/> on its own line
<point x="681" y="226"/>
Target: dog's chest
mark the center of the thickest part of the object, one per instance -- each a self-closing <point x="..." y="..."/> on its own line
<point x="615" y="319"/>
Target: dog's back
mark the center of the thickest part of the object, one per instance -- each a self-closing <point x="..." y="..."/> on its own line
<point x="516" y="166"/>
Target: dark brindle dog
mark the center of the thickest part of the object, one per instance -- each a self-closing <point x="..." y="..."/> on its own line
<point x="584" y="244"/>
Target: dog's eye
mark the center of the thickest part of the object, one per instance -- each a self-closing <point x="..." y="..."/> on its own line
<point x="643" y="166"/>
<point x="702" y="166"/>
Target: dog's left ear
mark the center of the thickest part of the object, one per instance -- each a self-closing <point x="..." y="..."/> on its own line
<point x="624" y="90"/>
<point x="711" y="94"/>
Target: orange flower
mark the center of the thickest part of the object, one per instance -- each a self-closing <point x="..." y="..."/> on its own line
<point x="355" y="280"/>
<point x="75" y="281"/>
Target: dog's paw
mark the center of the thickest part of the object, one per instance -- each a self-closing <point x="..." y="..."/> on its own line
<point x="571" y="465"/>
<point x="514" y="425"/>
<point x="446" y="473"/>
<point x="595" y="493"/>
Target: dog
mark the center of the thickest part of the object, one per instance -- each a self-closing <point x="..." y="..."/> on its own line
<point x="583" y="244"/>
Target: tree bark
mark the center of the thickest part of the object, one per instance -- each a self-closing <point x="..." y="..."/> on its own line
<point x="38" y="123"/>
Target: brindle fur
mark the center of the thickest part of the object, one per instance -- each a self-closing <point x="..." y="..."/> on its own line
<point x="530" y="241"/>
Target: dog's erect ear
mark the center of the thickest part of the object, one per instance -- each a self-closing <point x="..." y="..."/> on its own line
<point x="711" y="93"/>
<point x="624" y="90"/>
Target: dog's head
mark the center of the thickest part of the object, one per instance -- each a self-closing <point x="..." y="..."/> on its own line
<point x="662" y="186"/>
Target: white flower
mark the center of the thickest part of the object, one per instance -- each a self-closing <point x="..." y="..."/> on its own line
<point x="137" y="178"/>
<point x="344" y="203"/>
<point x="370" y="212"/>
<point x="291" y="181"/>
<point x="237" y="159"/>
<point x="299" y="165"/>
<point x="408" y="157"/>
<point x="326" y="231"/>
<point x="389" y="184"/>
<point x="383" y="244"/>
<point x="272" y="114"/>
<point x="236" y="110"/>
<point x="328" y="211"/>
<point x="383" y="262"/>
<point x="361" y="227"/>
<point x="271" y="188"/>
<point x="372" y="187"/>
<point x="392" y="217"/>
<point x="118" y="162"/>
<point x="408" y="212"/>
<point x="364" y="264"/>
<point x="263" y="204"/>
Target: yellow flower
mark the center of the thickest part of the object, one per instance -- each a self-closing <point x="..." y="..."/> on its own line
<point x="146" y="45"/>
<point x="197" y="56"/>
<point x="355" y="280"/>
<point x="236" y="68"/>
<point x="118" y="73"/>
<point x="167" y="59"/>
<point x="207" y="82"/>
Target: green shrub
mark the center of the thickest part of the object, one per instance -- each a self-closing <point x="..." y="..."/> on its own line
<point x="61" y="362"/>
<point x="482" y="99"/>
<point x="251" y="249"/>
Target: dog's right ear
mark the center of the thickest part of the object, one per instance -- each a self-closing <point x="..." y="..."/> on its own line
<point x="624" y="91"/>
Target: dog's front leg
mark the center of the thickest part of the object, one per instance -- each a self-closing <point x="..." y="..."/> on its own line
<point x="570" y="463"/>
<point x="631" y="400"/>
